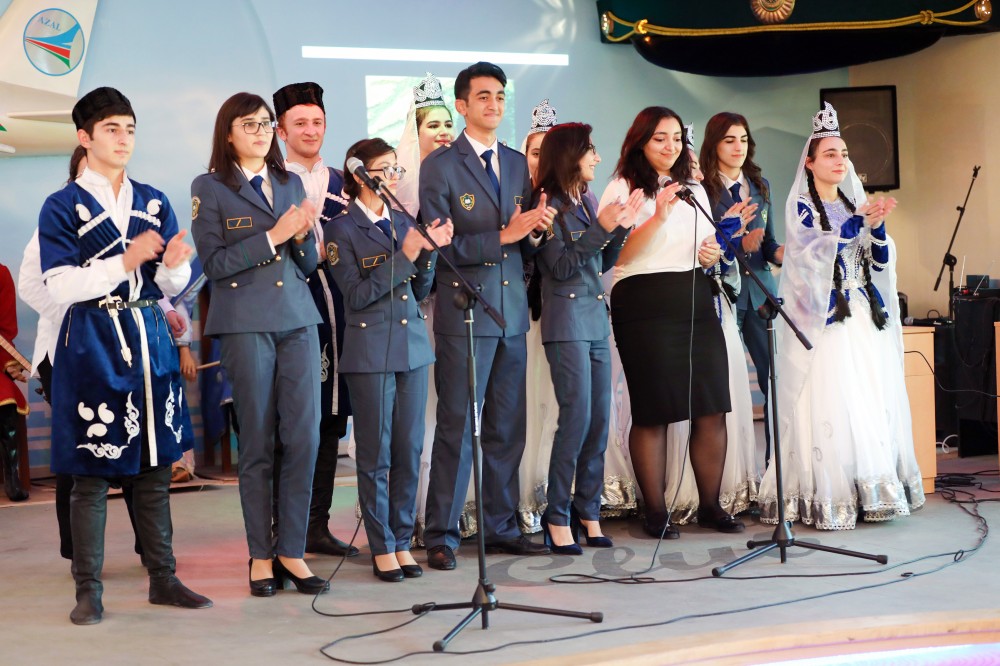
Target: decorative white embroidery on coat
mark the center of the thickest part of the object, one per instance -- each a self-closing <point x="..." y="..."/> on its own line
<point x="91" y="223"/>
<point x="169" y="415"/>
<point x="131" y="418"/>
<point x="324" y="365"/>
<point x="100" y="429"/>
<point x="153" y="207"/>
<point x="109" y="451"/>
<point x="155" y="221"/>
<point x="83" y="213"/>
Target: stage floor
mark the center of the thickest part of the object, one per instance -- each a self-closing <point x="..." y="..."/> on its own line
<point x="761" y="612"/>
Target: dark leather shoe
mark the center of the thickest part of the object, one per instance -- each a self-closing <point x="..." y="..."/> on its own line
<point x="89" y="608"/>
<point x="310" y="585"/>
<point x="722" y="522"/>
<point x="327" y="544"/>
<point x="265" y="587"/>
<point x="389" y="576"/>
<point x="441" y="558"/>
<point x="661" y="530"/>
<point x="521" y="545"/>
<point x="170" y="591"/>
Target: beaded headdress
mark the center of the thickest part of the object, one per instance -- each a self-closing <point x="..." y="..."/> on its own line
<point x="689" y="137"/>
<point x="428" y="92"/>
<point x="543" y="118"/>
<point x="825" y="123"/>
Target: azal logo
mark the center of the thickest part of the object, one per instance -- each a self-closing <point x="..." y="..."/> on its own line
<point x="53" y="42"/>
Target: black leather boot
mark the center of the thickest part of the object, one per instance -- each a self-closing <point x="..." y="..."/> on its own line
<point x="151" y="500"/>
<point x="89" y="512"/>
<point x="8" y="450"/>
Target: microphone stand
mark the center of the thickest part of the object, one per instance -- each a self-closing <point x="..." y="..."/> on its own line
<point x="949" y="259"/>
<point x="483" y="599"/>
<point x="782" y="538"/>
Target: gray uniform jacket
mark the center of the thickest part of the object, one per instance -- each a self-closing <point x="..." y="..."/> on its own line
<point x="254" y="290"/>
<point x="572" y="263"/>
<point x="382" y="291"/>
<point x="454" y="185"/>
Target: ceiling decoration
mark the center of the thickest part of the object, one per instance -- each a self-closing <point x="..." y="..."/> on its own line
<point x="778" y="37"/>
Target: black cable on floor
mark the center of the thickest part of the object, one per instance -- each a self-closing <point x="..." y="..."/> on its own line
<point x="963" y="499"/>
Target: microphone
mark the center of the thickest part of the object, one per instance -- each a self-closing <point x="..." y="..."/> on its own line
<point x="684" y="193"/>
<point x="356" y="167"/>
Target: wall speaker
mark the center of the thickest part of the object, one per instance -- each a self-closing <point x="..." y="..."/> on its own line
<point x="868" y="125"/>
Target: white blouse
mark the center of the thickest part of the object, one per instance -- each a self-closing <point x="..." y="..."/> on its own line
<point x="674" y="247"/>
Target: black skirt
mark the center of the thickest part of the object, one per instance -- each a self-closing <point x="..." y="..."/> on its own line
<point x="660" y="343"/>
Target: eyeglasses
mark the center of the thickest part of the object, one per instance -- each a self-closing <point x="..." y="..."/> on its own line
<point x="254" y="126"/>
<point x="591" y="148"/>
<point x="392" y="172"/>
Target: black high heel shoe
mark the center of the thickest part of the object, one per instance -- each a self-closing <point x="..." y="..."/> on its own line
<point x="657" y="525"/>
<point x="577" y="527"/>
<point x="310" y="585"/>
<point x="265" y="587"/>
<point x="390" y="575"/>
<point x="720" y="521"/>
<point x="570" y="549"/>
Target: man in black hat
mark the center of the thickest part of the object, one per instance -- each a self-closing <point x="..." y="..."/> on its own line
<point x="301" y="126"/>
<point x="110" y="249"/>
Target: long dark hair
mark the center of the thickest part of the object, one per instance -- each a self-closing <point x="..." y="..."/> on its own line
<point x="559" y="162"/>
<point x="715" y="132"/>
<point x="365" y="150"/>
<point x="842" y="309"/>
<point x="633" y="165"/>
<point x="224" y="160"/>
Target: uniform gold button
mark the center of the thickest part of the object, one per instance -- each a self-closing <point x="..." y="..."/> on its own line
<point x="504" y="255"/>
<point x="572" y="295"/>
<point x="405" y="297"/>
<point x="505" y="283"/>
<point x="600" y="297"/>
<point x="364" y="325"/>
<point x="600" y="273"/>
<point x="233" y="285"/>
<point x="278" y="258"/>
<point x="279" y="283"/>
<point x="454" y="284"/>
<point x="403" y="322"/>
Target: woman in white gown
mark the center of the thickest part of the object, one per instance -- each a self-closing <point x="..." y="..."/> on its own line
<point x="844" y="418"/>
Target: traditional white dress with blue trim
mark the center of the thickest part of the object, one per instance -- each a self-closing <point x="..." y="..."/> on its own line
<point x="846" y="437"/>
<point x="116" y="380"/>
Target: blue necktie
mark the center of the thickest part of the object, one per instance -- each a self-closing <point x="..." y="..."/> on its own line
<point x="735" y="191"/>
<point x="257" y="183"/>
<point x="386" y="227"/>
<point x="488" y="158"/>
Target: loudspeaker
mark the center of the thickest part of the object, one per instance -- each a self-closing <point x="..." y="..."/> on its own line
<point x="868" y="126"/>
<point x="975" y="372"/>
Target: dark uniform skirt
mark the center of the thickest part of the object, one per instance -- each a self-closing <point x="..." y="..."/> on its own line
<point x="652" y="319"/>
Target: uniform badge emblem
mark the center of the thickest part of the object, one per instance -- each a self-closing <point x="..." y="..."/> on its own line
<point x="575" y="235"/>
<point x="239" y="223"/>
<point x="195" y="205"/>
<point x="763" y="216"/>
<point x="467" y="200"/>
<point x="518" y="200"/>
<point x="332" y="253"/>
<point x="372" y="262"/>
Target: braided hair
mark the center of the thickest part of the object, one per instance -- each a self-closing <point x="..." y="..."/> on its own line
<point x="842" y="309"/>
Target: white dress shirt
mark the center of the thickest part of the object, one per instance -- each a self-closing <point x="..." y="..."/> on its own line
<point x="315" y="181"/>
<point x="31" y="289"/>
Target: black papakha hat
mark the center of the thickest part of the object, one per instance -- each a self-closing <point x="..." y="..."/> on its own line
<point x="297" y="93"/>
<point x="98" y="100"/>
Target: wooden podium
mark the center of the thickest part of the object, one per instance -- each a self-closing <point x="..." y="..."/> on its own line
<point x="920" y="390"/>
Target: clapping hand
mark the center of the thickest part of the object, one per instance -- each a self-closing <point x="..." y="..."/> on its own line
<point x="875" y="211"/>
<point x="618" y="214"/>
<point x="523" y="223"/>
<point x="709" y="252"/>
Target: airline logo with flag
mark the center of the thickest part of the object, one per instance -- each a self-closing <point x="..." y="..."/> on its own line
<point x="54" y="42"/>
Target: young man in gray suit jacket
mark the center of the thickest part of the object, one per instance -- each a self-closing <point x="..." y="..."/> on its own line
<point x="480" y="185"/>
